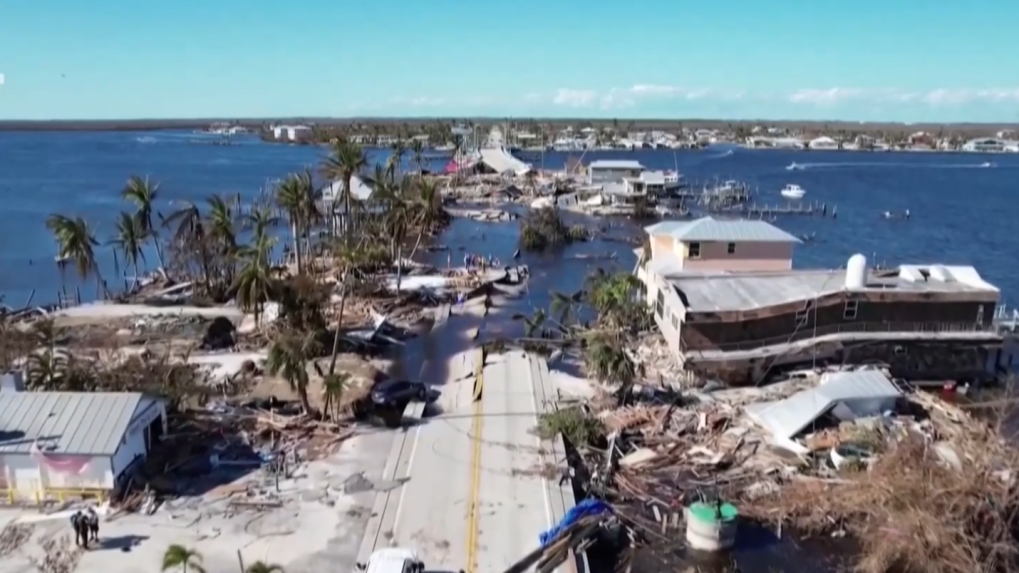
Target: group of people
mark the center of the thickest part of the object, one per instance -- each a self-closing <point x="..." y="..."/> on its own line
<point x="86" y="526"/>
<point x="472" y="260"/>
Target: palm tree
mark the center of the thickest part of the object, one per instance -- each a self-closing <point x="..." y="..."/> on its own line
<point x="333" y="388"/>
<point x="143" y="194"/>
<point x="428" y="209"/>
<point x="565" y="306"/>
<point x="263" y="567"/>
<point x="345" y="159"/>
<point x="76" y="243"/>
<point x="395" y="161"/>
<point x="179" y="556"/>
<point x="254" y="281"/>
<point x="608" y="362"/>
<point x="296" y="197"/>
<point x="129" y="239"/>
<point x="289" y="356"/>
<point x="417" y="149"/>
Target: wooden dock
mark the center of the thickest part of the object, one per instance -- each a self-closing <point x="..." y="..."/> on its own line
<point x="765" y="211"/>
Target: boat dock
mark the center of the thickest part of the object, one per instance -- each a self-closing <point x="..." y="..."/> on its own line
<point x="764" y="211"/>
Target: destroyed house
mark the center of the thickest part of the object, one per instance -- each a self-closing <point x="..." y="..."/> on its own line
<point x="925" y="321"/>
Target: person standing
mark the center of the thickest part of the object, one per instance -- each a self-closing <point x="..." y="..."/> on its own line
<point x="93" y="523"/>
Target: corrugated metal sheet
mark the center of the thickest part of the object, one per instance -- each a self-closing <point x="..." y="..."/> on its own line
<point x="709" y="229"/>
<point x="65" y="422"/>
<point x="864" y="393"/>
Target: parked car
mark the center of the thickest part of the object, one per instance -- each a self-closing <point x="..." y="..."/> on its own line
<point x="399" y="392"/>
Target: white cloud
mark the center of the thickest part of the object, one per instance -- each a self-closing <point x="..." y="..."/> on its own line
<point x="575" y="98"/>
<point x="937" y="97"/>
<point x="621" y="98"/>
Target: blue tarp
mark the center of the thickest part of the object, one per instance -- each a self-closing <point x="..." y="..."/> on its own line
<point x="575" y="514"/>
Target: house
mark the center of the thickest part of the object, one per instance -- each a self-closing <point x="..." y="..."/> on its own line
<point x="55" y="445"/>
<point x="823" y="142"/>
<point x="709" y="244"/>
<point x="928" y="322"/>
<point x="291" y="132"/>
<point x="361" y="189"/>
<point x="612" y="170"/>
<point x="984" y="145"/>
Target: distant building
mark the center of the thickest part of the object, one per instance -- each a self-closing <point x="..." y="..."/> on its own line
<point x="927" y="322"/>
<point x="291" y="132"/>
<point x="612" y="170"/>
<point x="823" y="142"/>
<point x="59" y="445"/>
<point x="985" y="145"/>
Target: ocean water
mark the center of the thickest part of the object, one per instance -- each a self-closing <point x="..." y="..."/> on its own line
<point x="961" y="204"/>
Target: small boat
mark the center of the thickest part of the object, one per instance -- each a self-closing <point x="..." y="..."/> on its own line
<point x="794" y="167"/>
<point x="793" y="191"/>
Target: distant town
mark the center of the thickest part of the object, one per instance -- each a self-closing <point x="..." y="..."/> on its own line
<point x="617" y="135"/>
<point x="587" y="134"/>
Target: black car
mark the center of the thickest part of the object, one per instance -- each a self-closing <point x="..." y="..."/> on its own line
<point x="393" y="392"/>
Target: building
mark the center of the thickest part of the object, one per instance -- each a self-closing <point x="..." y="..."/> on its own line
<point x="823" y="143"/>
<point x="984" y="145"/>
<point x="291" y="132"/>
<point x="56" y="445"/>
<point x="612" y="170"/>
<point x="361" y="189"/>
<point x="709" y="244"/>
<point x="928" y="322"/>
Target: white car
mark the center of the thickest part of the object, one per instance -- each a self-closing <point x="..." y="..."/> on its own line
<point x="393" y="560"/>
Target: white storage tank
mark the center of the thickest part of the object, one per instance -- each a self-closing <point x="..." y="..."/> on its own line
<point x="856" y="272"/>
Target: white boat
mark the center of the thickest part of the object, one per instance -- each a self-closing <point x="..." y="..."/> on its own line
<point x="793" y="191"/>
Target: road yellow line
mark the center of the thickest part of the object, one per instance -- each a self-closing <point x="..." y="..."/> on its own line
<point x="472" y="494"/>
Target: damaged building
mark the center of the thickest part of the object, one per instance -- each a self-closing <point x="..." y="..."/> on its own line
<point x="927" y="322"/>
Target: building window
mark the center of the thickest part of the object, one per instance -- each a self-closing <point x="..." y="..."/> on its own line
<point x="695" y="251"/>
<point x="980" y="314"/>
<point x="660" y="304"/>
<point x="731" y="248"/>
<point x="802" y="317"/>
<point x="675" y="322"/>
<point x="852" y="307"/>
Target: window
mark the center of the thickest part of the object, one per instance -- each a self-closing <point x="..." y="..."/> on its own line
<point x="675" y="322"/>
<point x="660" y="304"/>
<point x="802" y="317"/>
<point x="980" y="314"/>
<point x="695" y="251"/>
<point x="852" y="307"/>
<point x="731" y="248"/>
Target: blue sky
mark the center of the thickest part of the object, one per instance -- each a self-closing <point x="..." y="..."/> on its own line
<point x="904" y="60"/>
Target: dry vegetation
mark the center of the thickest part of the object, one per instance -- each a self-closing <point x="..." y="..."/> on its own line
<point x="917" y="509"/>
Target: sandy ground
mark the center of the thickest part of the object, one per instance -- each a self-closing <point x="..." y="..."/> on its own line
<point x="317" y="528"/>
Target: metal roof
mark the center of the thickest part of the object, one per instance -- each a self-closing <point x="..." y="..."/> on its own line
<point x="862" y="393"/>
<point x="91" y="423"/>
<point x="615" y="164"/>
<point x="716" y="292"/>
<point x="709" y="229"/>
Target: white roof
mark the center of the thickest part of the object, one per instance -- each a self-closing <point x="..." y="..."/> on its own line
<point x="359" y="189"/>
<point x="862" y="393"/>
<point x="615" y="164"/>
<point x="502" y="161"/>
<point x="390" y="560"/>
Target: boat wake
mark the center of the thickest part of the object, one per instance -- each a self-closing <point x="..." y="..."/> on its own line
<point x="724" y="154"/>
<point x="146" y="139"/>
<point x="897" y="165"/>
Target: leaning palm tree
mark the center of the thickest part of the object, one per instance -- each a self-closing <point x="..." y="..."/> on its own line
<point x="129" y="240"/>
<point x="76" y="243"/>
<point x="183" y="558"/>
<point x="395" y="160"/>
<point x="289" y="356"/>
<point x="263" y="567"/>
<point x="344" y="160"/>
<point x="333" y="388"/>
<point x="143" y="193"/>
<point x="254" y="281"/>
<point x="608" y="362"/>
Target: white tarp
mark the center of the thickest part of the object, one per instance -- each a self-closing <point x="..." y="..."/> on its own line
<point x="502" y="161"/>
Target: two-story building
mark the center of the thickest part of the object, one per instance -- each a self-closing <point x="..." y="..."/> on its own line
<point x="612" y="171"/>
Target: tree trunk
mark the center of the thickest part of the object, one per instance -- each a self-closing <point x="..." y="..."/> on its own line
<point x="399" y="268"/>
<point x="159" y="256"/>
<point x="339" y="326"/>
<point x="417" y="243"/>
<point x="302" y="393"/>
<point x="297" y="247"/>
